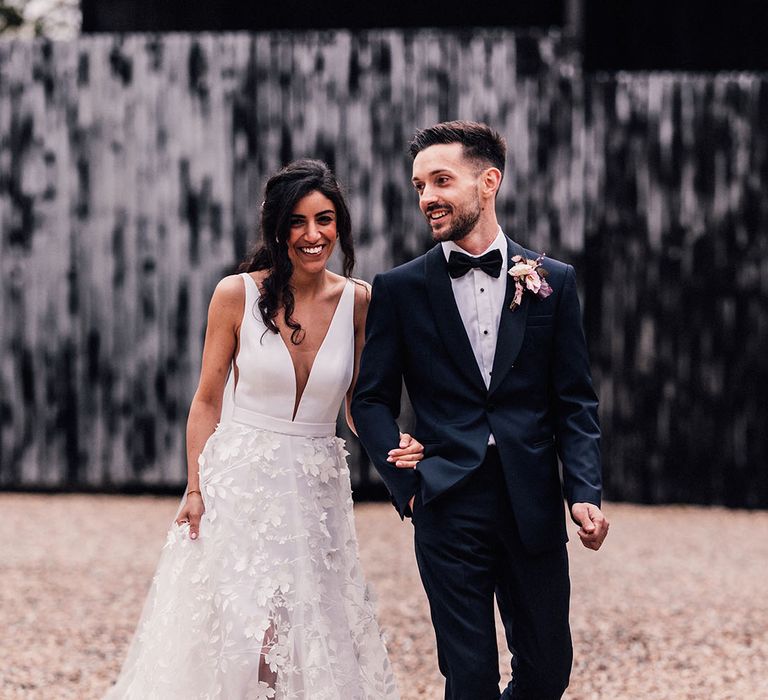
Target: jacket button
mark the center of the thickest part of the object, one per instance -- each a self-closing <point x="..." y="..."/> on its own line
<point x="490" y="407"/>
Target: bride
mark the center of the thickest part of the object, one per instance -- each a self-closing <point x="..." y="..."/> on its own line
<point x="258" y="593"/>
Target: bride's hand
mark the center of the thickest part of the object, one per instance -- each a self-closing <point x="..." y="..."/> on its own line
<point x="408" y="454"/>
<point x="191" y="513"/>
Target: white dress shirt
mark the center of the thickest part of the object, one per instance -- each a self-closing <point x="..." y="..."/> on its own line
<point x="480" y="298"/>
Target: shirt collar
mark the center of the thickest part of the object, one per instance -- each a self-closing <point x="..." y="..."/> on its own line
<point x="499" y="243"/>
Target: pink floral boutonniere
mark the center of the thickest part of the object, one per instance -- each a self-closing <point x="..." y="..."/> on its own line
<point x="528" y="274"/>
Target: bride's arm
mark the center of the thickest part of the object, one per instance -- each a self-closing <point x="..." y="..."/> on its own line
<point x="224" y="315"/>
<point x="362" y="299"/>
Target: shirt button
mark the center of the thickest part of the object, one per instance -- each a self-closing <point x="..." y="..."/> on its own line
<point x="481" y="289"/>
<point x="485" y="332"/>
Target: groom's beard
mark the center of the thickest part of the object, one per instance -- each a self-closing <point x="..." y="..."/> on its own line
<point x="464" y="220"/>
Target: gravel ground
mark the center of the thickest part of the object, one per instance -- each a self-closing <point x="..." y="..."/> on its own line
<point x="673" y="607"/>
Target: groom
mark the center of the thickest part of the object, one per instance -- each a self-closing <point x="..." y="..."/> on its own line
<point x="497" y="371"/>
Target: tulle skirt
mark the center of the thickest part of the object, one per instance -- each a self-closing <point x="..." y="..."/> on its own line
<point x="269" y="602"/>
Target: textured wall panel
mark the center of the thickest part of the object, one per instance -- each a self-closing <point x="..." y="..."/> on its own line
<point x="131" y="171"/>
<point x="677" y="283"/>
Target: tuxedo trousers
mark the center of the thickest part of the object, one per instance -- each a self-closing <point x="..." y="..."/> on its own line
<point x="468" y="550"/>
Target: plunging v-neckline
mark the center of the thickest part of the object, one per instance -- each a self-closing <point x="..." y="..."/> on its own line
<point x="299" y="396"/>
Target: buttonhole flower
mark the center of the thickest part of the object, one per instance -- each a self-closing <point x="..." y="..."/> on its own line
<point x="529" y="275"/>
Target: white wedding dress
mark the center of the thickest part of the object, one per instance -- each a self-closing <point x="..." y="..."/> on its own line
<point x="269" y="603"/>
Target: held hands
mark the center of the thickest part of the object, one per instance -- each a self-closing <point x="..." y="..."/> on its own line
<point x="191" y="513"/>
<point x="408" y="454"/>
<point x="594" y="525"/>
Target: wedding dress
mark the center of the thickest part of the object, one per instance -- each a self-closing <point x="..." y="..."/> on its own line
<point x="269" y="603"/>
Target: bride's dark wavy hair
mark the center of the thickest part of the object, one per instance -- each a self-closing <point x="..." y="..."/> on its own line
<point x="281" y="195"/>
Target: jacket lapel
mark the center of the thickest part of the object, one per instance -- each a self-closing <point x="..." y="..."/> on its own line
<point x="447" y="317"/>
<point x="511" y="325"/>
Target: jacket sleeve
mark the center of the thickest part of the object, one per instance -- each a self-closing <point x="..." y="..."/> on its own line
<point x="376" y="401"/>
<point x="577" y="430"/>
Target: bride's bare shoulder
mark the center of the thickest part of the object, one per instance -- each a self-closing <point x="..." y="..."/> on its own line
<point x="228" y="288"/>
<point x="362" y="284"/>
<point x="228" y="298"/>
<point x="362" y="291"/>
<point x="362" y="300"/>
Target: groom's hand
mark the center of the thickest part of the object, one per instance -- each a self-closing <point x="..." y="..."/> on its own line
<point x="594" y="525"/>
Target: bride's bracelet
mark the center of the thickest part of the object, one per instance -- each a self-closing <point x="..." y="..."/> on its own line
<point x="193" y="491"/>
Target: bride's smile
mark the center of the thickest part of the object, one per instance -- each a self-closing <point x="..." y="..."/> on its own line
<point x="312" y="235"/>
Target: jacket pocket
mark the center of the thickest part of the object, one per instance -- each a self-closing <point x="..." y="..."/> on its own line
<point x="533" y="321"/>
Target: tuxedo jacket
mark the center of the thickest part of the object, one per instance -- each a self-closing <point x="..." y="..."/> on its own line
<point x="540" y="403"/>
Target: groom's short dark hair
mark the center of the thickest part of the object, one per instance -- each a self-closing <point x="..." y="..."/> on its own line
<point x="481" y="143"/>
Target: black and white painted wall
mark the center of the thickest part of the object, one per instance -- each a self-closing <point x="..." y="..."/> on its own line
<point x="131" y="170"/>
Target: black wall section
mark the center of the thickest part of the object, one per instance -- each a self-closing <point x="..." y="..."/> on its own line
<point x="681" y="35"/>
<point x="235" y="15"/>
<point x="687" y="35"/>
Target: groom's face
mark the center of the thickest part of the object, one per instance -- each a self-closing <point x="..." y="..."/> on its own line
<point x="448" y="186"/>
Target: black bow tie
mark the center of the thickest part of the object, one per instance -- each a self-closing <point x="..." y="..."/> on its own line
<point x="459" y="263"/>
